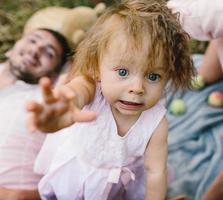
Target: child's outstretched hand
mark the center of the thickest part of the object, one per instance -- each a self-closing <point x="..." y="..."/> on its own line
<point x="57" y="111"/>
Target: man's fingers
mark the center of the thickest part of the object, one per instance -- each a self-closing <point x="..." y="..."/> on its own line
<point x="83" y="116"/>
<point x="47" y="91"/>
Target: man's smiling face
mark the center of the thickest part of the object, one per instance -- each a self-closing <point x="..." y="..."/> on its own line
<point x="35" y="55"/>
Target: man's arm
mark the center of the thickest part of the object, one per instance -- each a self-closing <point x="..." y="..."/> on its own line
<point x="156" y="163"/>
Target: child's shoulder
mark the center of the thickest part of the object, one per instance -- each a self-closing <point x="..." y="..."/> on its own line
<point x="153" y="116"/>
<point x="156" y="110"/>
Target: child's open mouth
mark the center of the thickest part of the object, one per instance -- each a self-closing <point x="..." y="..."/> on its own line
<point x="130" y="105"/>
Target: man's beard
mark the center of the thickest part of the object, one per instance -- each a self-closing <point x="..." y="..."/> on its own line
<point x="25" y="76"/>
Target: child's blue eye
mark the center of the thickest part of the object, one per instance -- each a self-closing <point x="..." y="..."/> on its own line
<point x="123" y="72"/>
<point x="153" y="77"/>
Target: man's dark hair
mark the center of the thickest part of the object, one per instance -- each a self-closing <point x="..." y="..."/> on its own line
<point x="66" y="50"/>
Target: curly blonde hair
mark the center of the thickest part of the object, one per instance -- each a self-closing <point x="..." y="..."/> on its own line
<point x="168" y="43"/>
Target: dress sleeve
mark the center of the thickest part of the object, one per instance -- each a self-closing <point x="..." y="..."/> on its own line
<point x="201" y="19"/>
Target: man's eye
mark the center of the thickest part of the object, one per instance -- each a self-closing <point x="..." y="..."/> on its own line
<point x="49" y="55"/>
<point x="123" y="72"/>
<point x="153" y="77"/>
<point x="32" y="41"/>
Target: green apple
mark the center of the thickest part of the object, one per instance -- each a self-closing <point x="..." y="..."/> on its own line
<point x="177" y="107"/>
<point x="197" y="82"/>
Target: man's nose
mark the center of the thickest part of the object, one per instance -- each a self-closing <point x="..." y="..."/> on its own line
<point x="137" y="86"/>
<point x="35" y="51"/>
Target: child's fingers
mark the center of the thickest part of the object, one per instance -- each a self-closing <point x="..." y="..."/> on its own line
<point x="65" y="92"/>
<point x="65" y="101"/>
<point x="33" y="106"/>
<point x="82" y="116"/>
<point x="47" y="91"/>
<point x="35" y="109"/>
<point x="31" y="124"/>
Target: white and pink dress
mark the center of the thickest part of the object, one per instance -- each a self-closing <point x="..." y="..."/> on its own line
<point x="93" y="162"/>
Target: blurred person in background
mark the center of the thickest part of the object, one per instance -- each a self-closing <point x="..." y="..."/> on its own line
<point x="40" y="53"/>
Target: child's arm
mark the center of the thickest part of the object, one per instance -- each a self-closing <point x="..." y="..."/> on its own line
<point x="156" y="163"/>
<point x="16" y="194"/>
<point x="62" y="106"/>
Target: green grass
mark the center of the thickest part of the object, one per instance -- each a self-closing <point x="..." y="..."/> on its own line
<point x="14" y="14"/>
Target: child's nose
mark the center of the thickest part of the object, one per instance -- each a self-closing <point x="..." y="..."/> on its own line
<point x="137" y="87"/>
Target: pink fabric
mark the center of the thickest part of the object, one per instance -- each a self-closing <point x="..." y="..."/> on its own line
<point x="91" y="158"/>
<point x="124" y="174"/>
<point x="202" y="19"/>
<point x="18" y="147"/>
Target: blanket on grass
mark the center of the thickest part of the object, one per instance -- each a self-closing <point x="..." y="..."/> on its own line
<point x="195" y="143"/>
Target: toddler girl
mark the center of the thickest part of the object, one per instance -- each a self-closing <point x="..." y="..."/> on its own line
<point x="120" y="71"/>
